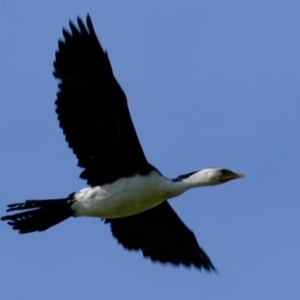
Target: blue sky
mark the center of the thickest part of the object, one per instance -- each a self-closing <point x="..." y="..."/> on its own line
<point x="209" y="83"/>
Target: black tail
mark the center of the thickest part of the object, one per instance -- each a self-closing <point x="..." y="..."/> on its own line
<point x="40" y="214"/>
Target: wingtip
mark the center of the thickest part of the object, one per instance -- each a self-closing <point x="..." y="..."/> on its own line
<point x="208" y="268"/>
<point x="88" y="18"/>
<point x="212" y="269"/>
<point x="89" y="24"/>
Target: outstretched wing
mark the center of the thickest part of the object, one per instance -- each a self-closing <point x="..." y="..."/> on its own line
<point x="92" y="109"/>
<point x="162" y="236"/>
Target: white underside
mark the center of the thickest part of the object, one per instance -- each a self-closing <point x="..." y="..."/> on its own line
<point x="126" y="196"/>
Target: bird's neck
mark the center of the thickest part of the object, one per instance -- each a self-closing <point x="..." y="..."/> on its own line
<point x="198" y="179"/>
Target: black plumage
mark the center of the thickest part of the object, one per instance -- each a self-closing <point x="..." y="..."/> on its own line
<point x="39" y="215"/>
<point x="161" y="236"/>
<point x="92" y="110"/>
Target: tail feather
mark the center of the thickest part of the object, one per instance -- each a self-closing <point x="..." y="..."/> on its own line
<point x="39" y="215"/>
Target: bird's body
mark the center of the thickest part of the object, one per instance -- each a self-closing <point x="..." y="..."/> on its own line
<point x="126" y="196"/>
<point x="124" y="189"/>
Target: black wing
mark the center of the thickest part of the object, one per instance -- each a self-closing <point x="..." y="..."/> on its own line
<point x="162" y="236"/>
<point x="92" y="109"/>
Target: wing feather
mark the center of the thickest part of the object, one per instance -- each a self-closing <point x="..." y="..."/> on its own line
<point x="162" y="236"/>
<point x="92" y="109"/>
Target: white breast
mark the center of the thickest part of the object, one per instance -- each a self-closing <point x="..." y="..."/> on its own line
<point x="124" y="197"/>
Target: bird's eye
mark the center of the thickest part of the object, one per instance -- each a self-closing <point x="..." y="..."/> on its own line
<point x="226" y="172"/>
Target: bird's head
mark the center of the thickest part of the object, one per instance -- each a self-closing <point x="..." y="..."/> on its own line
<point x="211" y="176"/>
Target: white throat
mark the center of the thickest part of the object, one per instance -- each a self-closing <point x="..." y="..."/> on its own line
<point x="205" y="177"/>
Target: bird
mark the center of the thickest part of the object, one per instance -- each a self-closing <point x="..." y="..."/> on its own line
<point x="124" y="189"/>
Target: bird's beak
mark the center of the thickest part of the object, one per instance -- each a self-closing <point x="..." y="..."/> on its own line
<point x="227" y="177"/>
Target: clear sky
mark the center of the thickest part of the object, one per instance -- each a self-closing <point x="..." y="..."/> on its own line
<point x="209" y="83"/>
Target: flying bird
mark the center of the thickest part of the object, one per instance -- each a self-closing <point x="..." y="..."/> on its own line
<point x="125" y="190"/>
